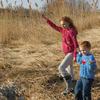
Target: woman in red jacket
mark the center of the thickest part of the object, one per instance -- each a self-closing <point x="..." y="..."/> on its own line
<point x="69" y="45"/>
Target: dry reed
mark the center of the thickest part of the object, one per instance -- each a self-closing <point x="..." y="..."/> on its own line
<point x="27" y="25"/>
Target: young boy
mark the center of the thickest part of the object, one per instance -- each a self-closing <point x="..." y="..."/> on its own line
<point x="88" y="66"/>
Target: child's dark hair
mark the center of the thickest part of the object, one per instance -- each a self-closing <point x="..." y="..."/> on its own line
<point x="69" y="20"/>
<point x="86" y="44"/>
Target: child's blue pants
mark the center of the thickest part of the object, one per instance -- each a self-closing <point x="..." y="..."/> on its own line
<point x="83" y="89"/>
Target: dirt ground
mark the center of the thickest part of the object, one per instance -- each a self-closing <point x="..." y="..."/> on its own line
<point x="33" y="69"/>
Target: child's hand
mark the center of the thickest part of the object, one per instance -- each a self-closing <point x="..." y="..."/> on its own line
<point x="91" y="62"/>
<point x="74" y="59"/>
<point x="79" y="53"/>
<point x="43" y="16"/>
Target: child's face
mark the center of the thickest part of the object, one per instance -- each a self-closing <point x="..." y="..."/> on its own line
<point x="64" y="24"/>
<point x="84" y="51"/>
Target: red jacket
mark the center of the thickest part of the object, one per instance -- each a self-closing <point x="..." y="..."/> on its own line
<point x="69" y="41"/>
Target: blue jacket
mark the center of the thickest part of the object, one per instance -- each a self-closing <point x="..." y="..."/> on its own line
<point x="87" y="69"/>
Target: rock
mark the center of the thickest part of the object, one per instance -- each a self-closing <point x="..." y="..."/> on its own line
<point x="21" y="98"/>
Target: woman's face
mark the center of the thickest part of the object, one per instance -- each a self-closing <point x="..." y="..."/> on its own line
<point x="64" y="24"/>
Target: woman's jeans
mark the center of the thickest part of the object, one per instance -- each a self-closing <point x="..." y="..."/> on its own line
<point x="83" y="89"/>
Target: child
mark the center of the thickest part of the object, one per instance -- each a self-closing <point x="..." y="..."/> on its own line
<point x="87" y="64"/>
<point x="69" y="45"/>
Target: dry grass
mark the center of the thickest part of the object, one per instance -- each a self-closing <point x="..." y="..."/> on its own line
<point x="29" y="27"/>
<point x="29" y="50"/>
<point x="34" y="69"/>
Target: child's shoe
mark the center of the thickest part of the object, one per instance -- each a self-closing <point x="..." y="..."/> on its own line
<point x="67" y="91"/>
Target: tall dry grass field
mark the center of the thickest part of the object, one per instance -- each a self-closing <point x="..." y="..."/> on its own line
<point x="29" y="53"/>
<point x="27" y="25"/>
